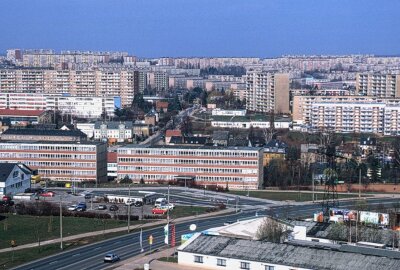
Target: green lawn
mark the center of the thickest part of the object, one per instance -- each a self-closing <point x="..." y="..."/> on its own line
<point x="184" y="211"/>
<point x="283" y="196"/>
<point x="25" y="229"/>
<point x="169" y="259"/>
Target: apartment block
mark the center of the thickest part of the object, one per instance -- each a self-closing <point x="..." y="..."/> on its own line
<point x="360" y="114"/>
<point x="59" y="161"/>
<point x="378" y="85"/>
<point x="88" y="83"/>
<point x="237" y="167"/>
<point x="267" y="92"/>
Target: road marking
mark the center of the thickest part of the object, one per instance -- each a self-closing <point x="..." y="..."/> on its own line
<point x="53" y="262"/>
<point x="76" y="255"/>
<point x="97" y="248"/>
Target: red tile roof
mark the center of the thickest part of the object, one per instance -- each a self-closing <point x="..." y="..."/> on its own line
<point x="175" y="132"/>
<point x="161" y="104"/>
<point x="112" y="157"/>
<point x="10" y="112"/>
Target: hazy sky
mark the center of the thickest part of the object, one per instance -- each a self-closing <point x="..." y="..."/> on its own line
<point x="153" y="28"/>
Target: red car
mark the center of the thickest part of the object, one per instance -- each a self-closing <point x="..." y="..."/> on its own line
<point x="47" y="194"/>
<point x="158" y="211"/>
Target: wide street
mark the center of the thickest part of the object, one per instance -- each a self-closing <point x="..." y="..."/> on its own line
<point x="91" y="256"/>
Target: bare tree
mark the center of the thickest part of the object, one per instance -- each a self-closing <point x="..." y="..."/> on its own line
<point x="271" y="230"/>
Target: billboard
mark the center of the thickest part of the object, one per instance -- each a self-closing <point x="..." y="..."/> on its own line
<point x="374" y="218"/>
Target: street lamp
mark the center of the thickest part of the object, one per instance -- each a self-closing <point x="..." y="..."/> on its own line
<point x="61" y="224"/>
<point x="129" y="207"/>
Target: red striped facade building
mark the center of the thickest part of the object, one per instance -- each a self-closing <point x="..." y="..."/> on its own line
<point x="237" y="167"/>
<point x="59" y="161"/>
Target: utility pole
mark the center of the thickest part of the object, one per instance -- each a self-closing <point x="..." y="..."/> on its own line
<point x="129" y="207"/>
<point x="61" y="225"/>
<point x="168" y="206"/>
<point x="359" y="181"/>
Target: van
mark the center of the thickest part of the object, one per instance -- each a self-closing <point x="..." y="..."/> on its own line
<point x="160" y="202"/>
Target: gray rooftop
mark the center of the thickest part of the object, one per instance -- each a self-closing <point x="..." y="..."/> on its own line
<point x="147" y="146"/>
<point x="44" y="132"/>
<point x="113" y="124"/>
<point x="295" y="255"/>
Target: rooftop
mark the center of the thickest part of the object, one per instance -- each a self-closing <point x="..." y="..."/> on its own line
<point x="290" y="254"/>
<point x="230" y="148"/>
<point x="44" y="132"/>
<point x="249" y="118"/>
<point x="10" y="112"/>
<point x="113" y="124"/>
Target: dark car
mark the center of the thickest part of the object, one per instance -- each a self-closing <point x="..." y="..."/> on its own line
<point x="138" y="204"/>
<point x="102" y="207"/>
<point x="113" y="207"/>
<point x="89" y="196"/>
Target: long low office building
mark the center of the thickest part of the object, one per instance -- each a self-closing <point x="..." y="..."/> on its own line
<point x="59" y="161"/>
<point x="237" y="167"/>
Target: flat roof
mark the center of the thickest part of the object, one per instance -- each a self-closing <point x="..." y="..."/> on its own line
<point x="10" y="112"/>
<point x="291" y="254"/>
<point x="199" y="147"/>
<point x="50" y="142"/>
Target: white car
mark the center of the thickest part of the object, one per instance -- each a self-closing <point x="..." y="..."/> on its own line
<point x="111" y="257"/>
<point x="168" y="206"/>
<point x="72" y="207"/>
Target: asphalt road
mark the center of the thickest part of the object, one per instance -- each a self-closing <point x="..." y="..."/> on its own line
<point x="91" y="257"/>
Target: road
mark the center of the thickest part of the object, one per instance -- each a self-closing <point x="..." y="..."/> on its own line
<point x="91" y="257"/>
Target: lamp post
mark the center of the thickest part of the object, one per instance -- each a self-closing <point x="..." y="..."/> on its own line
<point x="129" y="207"/>
<point x="61" y="225"/>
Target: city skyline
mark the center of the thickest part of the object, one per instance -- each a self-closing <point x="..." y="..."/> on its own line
<point x="204" y="28"/>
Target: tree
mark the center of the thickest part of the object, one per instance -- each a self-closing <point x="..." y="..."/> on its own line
<point x="125" y="180"/>
<point x="271" y="230"/>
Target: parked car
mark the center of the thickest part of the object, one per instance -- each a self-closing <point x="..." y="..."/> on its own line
<point x="169" y="206"/>
<point x="89" y="195"/>
<point x="72" y="207"/>
<point x="111" y="257"/>
<point x="81" y="208"/>
<point x="113" y="207"/>
<point x="47" y="194"/>
<point x="138" y="204"/>
<point x="101" y="207"/>
<point x="6" y="198"/>
<point x="158" y="211"/>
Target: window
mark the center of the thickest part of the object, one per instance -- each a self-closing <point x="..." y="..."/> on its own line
<point x="198" y="259"/>
<point x="269" y="267"/>
<point x="244" y="265"/>
<point x="221" y="262"/>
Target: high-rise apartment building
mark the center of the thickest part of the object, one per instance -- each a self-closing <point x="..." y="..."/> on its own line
<point x="379" y="85"/>
<point x="237" y="167"/>
<point x="360" y="114"/>
<point x="87" y="83"/>
<point x="267" y="92"/>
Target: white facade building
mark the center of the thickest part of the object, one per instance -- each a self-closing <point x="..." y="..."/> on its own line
<point x="228" y="112"/>
<point x="83" y="107"/>
<point x="14" y="178"/>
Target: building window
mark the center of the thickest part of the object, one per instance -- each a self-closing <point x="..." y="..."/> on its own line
<point x="198" y="259"/>
<point x="269" y="267"/>
<point x="221" y="262"/>
<point x="244" y="265"/>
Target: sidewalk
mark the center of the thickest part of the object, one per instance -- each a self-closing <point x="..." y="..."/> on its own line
<point x="120" y="229"/>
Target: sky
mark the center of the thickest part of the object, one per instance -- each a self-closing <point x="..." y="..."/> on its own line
<point x="246" y="28"/>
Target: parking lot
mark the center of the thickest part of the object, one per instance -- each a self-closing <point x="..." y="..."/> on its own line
<point x="92" y="204"/>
